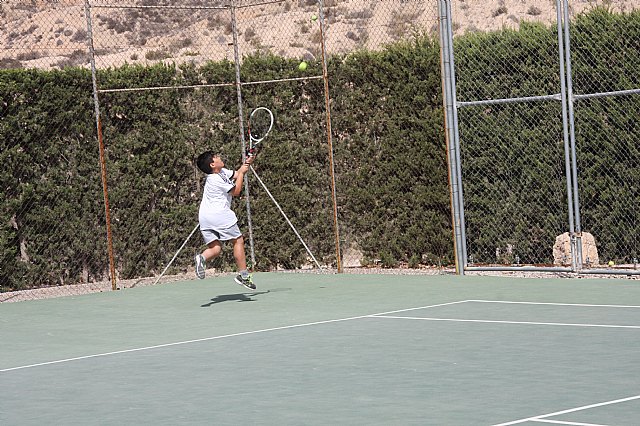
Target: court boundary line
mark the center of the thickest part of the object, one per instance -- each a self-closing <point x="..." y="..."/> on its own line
<point x="507" y="322"/>
<point x="204" y="339"/>
<point x="570" y="410"/>
<point x="562" y="422"/>
<point x="553" y="304"/>
<point x="386" y="315"/>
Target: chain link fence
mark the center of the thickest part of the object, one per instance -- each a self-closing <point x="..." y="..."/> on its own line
<point x="607" y="97"/>
<point x="105" y="105"/>
<point x="547" y="137"/>
<point x="42" y="187"/>
<point x="173" y="80"/>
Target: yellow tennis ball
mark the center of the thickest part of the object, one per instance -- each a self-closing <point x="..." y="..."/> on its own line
<point x="611" y="263"/>
<point x="302" y="66"/>
<point x="314" y="17"/>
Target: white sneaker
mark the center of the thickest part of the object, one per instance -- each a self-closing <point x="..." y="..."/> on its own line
<point x="200" y="266"/>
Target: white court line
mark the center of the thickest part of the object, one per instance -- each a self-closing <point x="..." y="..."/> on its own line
<point x="571" y="410"/>
<point x="506" y="322"/>
<point x="204" y="339"/>
<point x="554" y="304"/>
<point x="423" y="307"/>
<point x="558" y="422"/>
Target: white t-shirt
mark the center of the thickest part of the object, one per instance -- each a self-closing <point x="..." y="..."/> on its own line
<point x="215" y="207"/>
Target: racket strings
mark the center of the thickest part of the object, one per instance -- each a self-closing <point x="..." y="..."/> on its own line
<point x="259" y="125"/>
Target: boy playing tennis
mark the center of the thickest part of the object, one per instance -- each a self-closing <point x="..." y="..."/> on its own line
<point x="218" y="223"/>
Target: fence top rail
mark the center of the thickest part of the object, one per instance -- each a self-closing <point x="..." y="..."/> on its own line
<point x="139" y="6"/>
<point x="184" y="7"/>
<point x="281" y="80"/>
<point x="202" y="86"/>
<point x="262" y="3"/>
<point x="139" y="89"/>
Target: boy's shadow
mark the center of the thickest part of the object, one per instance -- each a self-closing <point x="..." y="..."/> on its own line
<point x="239" y="297"/>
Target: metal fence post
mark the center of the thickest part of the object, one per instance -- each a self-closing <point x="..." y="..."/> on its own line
<point x="451" y="134"/>
<point x="103" y="166"/>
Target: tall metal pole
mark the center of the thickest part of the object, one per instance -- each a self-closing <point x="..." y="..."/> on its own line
<point x="236" y="55"/>
<point x="451" y="134"/>
<point x="325" y="76"/>
<point x="103" y="166"/>
<point x="456" y="136"/>
<point x="572" y="135"/>
<point x="565" y="131"/>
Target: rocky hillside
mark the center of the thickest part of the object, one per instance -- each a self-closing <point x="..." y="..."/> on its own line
<point x="53" y="33"/>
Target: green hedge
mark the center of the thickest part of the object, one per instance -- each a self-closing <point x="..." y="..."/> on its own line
<point x="49" y="180"/>
<point x="388" y="144"/>
<point x="391" y="192"/>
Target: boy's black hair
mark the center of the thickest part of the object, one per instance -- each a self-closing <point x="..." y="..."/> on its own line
<point x="204" y="162"/>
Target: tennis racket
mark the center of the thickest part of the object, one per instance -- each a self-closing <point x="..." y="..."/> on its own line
<point x="260" y="124"/>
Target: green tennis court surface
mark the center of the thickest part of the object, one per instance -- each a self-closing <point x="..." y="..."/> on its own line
<point x="328" y="349"/>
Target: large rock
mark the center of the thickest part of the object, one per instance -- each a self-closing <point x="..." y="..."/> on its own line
<point x="352" y="257"/>
<point x="562" y="250"/>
